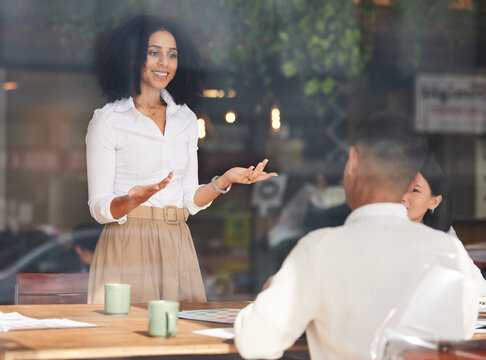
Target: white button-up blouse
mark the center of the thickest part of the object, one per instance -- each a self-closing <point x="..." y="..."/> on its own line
<point x="125" y="148"/>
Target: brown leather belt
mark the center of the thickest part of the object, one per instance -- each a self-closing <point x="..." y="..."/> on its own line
<point x="170" y="214"/>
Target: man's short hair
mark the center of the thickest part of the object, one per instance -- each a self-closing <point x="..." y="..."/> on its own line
<point x="390" y="150"/>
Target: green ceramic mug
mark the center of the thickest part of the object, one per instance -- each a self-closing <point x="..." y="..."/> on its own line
<point x="163" y="316"/>
<point x="117" y="298"/>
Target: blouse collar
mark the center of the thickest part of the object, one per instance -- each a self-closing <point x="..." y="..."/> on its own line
<point x="128" y="103"/>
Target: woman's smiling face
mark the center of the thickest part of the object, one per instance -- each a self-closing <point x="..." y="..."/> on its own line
<point x="161" y="65"/>
<point x="419" y="198"/>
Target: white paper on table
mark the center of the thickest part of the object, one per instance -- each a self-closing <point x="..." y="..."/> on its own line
<point x="480" y="326"/>
<point x="15" y="321"/>
<point x="225" y="333"/>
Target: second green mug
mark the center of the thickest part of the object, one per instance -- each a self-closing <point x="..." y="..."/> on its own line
<point x="163" y="316"/>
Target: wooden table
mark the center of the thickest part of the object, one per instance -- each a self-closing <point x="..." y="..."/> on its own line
<point x="118" y="336"/>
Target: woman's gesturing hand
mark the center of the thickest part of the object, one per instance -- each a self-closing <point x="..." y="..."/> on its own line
<point x="248" y="175"/>
<point x="141" y="193"/>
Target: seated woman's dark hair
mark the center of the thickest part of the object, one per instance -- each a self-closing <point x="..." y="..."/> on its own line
<point x="121" y="58"/>
<point x="441" y="218"/>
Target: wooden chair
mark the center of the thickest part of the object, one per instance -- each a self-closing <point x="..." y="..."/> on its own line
<point x="51" y="288"/>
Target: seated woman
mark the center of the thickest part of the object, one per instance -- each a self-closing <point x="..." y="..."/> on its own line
<point x="428" y="201"/>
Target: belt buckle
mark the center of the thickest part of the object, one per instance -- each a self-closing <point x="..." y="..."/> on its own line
<point x="170" y="214"/>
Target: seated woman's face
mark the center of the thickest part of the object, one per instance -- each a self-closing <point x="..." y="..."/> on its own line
<point x="418" y="199"/>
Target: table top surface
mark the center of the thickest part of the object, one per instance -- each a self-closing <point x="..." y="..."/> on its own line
<point x="121" y="335"/>
<point x="117" y="335"/>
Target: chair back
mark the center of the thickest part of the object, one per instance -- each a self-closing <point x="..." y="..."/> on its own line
<point x="441" y="307"/>
<point x="51" y="288"/>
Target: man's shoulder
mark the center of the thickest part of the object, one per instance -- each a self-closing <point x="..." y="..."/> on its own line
<point x="323" y="234"/>
<point x="379" y="226"/>
<point x="420" y="228"/>
<point x="431" y="234"/>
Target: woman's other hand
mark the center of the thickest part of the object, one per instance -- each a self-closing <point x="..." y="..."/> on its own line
<point x="141" y="193"/>
<point x="248" y="175"/>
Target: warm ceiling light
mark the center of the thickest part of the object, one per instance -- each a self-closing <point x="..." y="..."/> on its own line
<point x="230" y="117"/>
<point x="275" y="117"/>
<point x="218" y="93"/>
<point x="201" y="126"/>
<point x="210" y="93"/>
<point x="275" y="113"/>
<point x="213" y="93"/>
<point x="11" y="85"/>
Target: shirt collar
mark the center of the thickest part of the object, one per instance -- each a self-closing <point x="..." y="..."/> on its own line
<point x="127" y="103"/>
<point x="172" y="107"/>
<point x="377" y="210"/>
<point x="124" y="104"/>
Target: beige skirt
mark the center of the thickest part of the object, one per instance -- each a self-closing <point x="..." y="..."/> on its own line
<point x="154" y="254"/>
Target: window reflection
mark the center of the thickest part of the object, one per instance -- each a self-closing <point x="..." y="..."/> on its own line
<point x="325" y="67"/>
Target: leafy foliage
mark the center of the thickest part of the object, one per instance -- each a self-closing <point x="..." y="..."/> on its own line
<point x="314" y="41"/>
<point x="322" y="43"/>
<point x="319" y="44"/>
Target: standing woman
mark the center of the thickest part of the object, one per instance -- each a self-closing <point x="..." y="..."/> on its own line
<point x="142" y="164"/>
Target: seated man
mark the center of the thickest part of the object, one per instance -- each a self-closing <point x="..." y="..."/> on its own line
<point x="339" y="284"/>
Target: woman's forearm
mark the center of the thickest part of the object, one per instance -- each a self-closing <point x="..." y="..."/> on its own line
<point x="122" y="205"/>
<point x="205" y="194"/>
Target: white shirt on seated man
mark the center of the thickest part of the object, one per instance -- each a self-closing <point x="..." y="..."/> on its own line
<point x="340" y="284"/>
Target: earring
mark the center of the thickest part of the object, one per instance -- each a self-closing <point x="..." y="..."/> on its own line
<point x="431" y="211"/>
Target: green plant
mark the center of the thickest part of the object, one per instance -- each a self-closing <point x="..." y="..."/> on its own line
<point x="321" y="43"/>
<point x="316" y="42"/>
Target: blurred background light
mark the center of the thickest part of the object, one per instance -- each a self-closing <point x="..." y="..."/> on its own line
<point x="275" y="117"/>
<point x="201" y="125"/>
<point x="11" y="85"/>
<point x="230" y="117"/>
